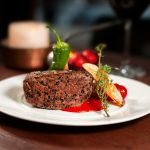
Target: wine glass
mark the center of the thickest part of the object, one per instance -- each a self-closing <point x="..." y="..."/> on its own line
<point x="129" y="11"/>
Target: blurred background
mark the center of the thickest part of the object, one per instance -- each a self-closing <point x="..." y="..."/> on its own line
<point x="69" y="15"/>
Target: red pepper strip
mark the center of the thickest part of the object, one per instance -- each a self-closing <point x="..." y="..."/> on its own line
<point x="89" y="105"/>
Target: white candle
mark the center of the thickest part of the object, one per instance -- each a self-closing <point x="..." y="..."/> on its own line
<point x="28" y="35"/>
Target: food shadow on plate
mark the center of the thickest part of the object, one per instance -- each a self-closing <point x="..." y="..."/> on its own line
<point x="16" y="94"/>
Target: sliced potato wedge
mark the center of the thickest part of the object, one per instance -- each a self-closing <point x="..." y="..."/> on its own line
<point x="115" y="95"/>
<point x="112" y="91"/>
<point x="92" y="69"/>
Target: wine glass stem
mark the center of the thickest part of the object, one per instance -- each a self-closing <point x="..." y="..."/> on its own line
<point x="127" y="39"/>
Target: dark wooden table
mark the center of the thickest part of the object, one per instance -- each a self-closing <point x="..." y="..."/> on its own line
<point x="17" y="134"/>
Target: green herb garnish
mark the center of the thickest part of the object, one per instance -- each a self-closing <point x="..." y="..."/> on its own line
<point x="61" y="52"/>
<point x="103" y="81"/>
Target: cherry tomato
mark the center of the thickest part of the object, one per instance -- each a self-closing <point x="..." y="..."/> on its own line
<point x="79" y="61"/>
<point x="90" y="55"/>
<point x="72" y="56"/>
<point x="122" y="89"/>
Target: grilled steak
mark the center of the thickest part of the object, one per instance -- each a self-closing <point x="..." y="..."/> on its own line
<point x="57" y="89"/>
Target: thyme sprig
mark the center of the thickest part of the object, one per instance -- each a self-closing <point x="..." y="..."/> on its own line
<point x="103" y="81"/>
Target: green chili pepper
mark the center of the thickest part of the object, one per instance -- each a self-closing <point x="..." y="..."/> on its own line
<point x="61" y="52"/>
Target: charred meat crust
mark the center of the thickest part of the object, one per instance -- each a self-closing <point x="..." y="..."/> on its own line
<point x="57" y="89"/>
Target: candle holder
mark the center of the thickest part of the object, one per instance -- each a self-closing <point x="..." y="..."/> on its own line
<point x="24" y="58"/>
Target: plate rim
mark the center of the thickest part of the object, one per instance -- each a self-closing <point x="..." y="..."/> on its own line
<point x="81" y="124"/>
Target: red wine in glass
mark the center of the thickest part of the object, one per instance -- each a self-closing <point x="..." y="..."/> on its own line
<point x="129" y="11"/>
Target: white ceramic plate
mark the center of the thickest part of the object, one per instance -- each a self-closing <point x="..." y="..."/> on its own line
<point x="137" y="105"/>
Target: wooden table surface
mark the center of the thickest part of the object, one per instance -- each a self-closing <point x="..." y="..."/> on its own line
<point x="17" y="134"/>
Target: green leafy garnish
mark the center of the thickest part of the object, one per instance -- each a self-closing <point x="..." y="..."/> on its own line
<point x="103" y="81"/>
<point x="61" y="52"/>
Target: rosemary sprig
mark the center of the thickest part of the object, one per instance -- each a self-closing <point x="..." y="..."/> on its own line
<point x="103" y="81"/>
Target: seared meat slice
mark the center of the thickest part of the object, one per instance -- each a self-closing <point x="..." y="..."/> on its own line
<point x="57" y="89"/>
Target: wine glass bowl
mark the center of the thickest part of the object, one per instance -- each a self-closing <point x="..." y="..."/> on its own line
<point x="129" y="11"/>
